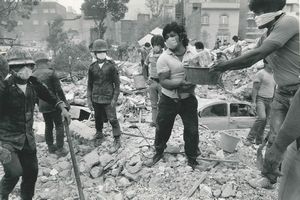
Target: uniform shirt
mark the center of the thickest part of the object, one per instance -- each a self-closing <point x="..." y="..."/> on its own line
<point x="17" y="109"/>
<point x="286" y="60"/>
<point x="267" y="83"/>
<point x="103" y="83"/>
<point x="169" y="62"/>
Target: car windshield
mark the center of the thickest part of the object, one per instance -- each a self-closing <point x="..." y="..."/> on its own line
<point x="218" y="110"/>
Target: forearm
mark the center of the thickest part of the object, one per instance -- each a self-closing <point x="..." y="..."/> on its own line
<point x="116" y="93"/>
<point x="244" y="61"/>
<point x="254" y="95"/>
<point x="170" y="84"/>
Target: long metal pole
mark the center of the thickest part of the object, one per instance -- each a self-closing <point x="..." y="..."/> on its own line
<point x="74" y="162"/>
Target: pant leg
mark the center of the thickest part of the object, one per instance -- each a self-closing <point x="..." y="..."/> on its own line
<point x="111" y="114"/>
<point x="12" y="172"/>
<point x="99" y="109"/>
<point x="290" y="181"/>
<point x="154" y="95"/>
<point x="262" y="107"/>
<point x="188" y="114"/>
<point x="167" y="111"/>
<point x="59" y="127"/>
<point x="29" y="163"/>
<point x="48" y="118"/>
<point x="279" y="109"/>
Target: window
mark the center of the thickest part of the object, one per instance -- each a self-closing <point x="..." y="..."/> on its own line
<point x="45" y="22"/>
<point x="219" y="110"/>
<point x="205" y="19"/>
<point x="20" y="23"/>
<point x="241" y="110"/>
<point x="35" y="22"/>
<point x="45" y="11"/>
<point x="52" y="10"/>
<point x="224" y="19"/>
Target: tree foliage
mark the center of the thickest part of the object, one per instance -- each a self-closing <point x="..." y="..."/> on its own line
<point x="56" y="34"/>
<point x="98" y="10"/>
<point x="11" y="9"/>
<point x="72" y="57"/>
<point x="155" y="7"/>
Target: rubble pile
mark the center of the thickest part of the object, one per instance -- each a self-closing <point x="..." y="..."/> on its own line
<point x="125" y="175"/>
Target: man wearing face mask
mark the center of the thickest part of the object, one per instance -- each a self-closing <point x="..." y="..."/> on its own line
<point x="154" y="89"/>
<point x="177" y="94"/>
<point x="18" y="96"/>
<point x="103" y="91"/>
<point x="279" y="45"/>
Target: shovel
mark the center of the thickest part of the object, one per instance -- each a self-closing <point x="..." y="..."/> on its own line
<point x="74" y="162"/>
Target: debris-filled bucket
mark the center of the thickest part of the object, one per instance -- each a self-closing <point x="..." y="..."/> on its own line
<point x="201" y="76"/>
<point x="139" y="81"/>
<point x="228" y="142"/>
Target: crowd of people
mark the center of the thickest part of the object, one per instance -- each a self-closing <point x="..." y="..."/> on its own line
<point x="26" y="81"/>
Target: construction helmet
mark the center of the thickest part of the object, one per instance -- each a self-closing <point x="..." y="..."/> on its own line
<point x="19" y="56"/>
<point x="40" y="56"/>
<point x="99" y="45"/>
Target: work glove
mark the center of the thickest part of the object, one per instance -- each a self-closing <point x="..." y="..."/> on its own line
<point x="273" y="158"/>
<point x="5" y="155"/>
<point x="90" y="104"/>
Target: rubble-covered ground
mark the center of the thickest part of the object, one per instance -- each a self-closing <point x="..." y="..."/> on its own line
<point x="125" y="175"/>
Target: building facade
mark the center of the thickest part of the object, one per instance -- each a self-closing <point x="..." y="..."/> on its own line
<point x="37" y="27"/>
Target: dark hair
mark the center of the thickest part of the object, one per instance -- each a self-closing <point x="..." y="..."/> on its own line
<point x="235" y="38"/>
<point x="147" y="44"/>
<point x="199" y="45"/>
<point x="266" y="5"/>
<point x="158" y="40"/>
<point x="179" y="29"/>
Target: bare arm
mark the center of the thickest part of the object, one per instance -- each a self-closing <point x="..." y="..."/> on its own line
<point x="249" y="58"/>
<point x="256" y="86"/>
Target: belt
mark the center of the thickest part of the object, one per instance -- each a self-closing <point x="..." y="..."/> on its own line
<point x="154" y="79"/>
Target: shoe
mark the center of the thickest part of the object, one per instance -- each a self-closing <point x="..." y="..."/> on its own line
<point x="116" y="145"/>
<point x="99" y="135"/>
<point x="157" y="157"/>
<point x="193" y="163"/>
<point x="52" y="148"/>
<point x="261" y="182"/>
<point x="248" y="142"/>
<point x="153" y="124"/>
<point x="61" y="152"/>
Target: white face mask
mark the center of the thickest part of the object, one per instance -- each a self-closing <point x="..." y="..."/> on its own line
<point x="156" y="49"/>
<point x="24" y="73"/>
<point x="101" y="55"/>
<point x="265" y="18"/>
<point x="171" y="43"/>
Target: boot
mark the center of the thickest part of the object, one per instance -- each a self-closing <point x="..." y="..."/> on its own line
<point x="52" y="148"/>
<point x="61" y="152"/>
<point x="116" y="145"/>
<point x="157" y="157"/>
<point x="99" y="135"/>
<point x="193" y="163"/>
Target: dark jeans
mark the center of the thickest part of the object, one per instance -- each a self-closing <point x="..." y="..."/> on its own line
<point x="50" y="119"/>
<point x="279" y="108"/>
<point x="263" y="107"/>
<point x="168" y="109"/>
<point x="23" y="163"/>
<point x="102" y="110"/>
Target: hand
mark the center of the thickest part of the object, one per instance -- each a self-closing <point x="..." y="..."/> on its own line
<point x="273" y="158"/>
<point x="218" y="67"/>
<point x="113" y="103"/>
<point x="5" y="155"/>
<point x="66" y="115"/>
<point x="90" y="104"/>
<point x="253" y="104"/>
<point x="67" y="106"/>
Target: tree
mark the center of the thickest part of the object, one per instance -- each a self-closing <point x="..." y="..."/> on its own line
<point x="155" y="7"/>
<point x="11" y="9"/>
<point x="56" y="34"/>
<point x="98" y="10"/>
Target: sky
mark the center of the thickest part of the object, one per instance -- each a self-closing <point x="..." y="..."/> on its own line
<point x="134" y="6"/>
